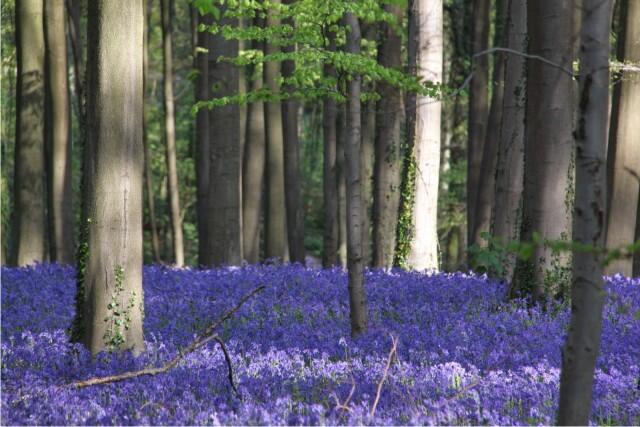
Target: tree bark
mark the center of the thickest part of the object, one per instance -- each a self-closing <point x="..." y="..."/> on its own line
<point x="587" y="290"/>
<point x="224" y="199"/>
<point x="548" y="170"/>
<point x="74" y="9"/>
<point x="426" y="28"/>
<point x="166" y="7"/>
<point x="253" y="167"/>
<point x="341" y="141"/>
<point x="276" y="219"/>
<point x="510" y="164"/>
<point x="623" y="160"/>
<point x="293" y="199"/>
<point x="478" y="108"/>
<point x="58" y="131"/>
<point x="28" y="221"/>
<point x="357" y="295"/>
<point x="329" y="173"/>
<point x="113" y="277"/>
<point x="388" y="147"/>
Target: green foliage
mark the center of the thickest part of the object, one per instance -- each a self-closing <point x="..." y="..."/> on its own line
<point x="405" y="221"/>
<point x="82" y="257"/>
<point x="119" y="317"/>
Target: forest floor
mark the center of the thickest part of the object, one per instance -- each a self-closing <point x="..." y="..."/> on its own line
<point x="464" y="355"/>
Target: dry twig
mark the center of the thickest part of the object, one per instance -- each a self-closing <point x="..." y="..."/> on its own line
<point x="392" y="353"/>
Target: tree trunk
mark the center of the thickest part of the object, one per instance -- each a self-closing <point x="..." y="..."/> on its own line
<point x="510" y="164"/>
<point x="112" y="312"/>
<point x="28" y="222"/>
<point x="478" y="108"/>
<point x="587" y="290"/>
<point x="74" y="8"/>
<point x="224" y="199"/>
<point x="58" y="131"/>
<point x="293" y="199"/>
<point x="486" y="178"/>
<point x="355" y="264"/>
<point x="166" y="7"/>
<point x="341" y="141"/>
<point x="388" y="147"/>
<point x="329" y="173"/>
<point x="203" y="143"/>
<point x="623" y="160"/>
<point x="276" y="219"/>
<point x="548" y="169"/>
<point x="253" y="167"/>
<point x="155" y="245"/>
<point x="426" y="29"/>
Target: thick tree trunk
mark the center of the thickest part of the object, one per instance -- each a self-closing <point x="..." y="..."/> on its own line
<point x="166" y="7"/>
<point x="58" y="131"/>
<point x="253" y="166"/>
<point x="28" y="221"/>
<point x="293" y="198"/>
<point x="623" y="160"/>
<point x="112" y="312"/>
<point x="155" y="245"/>
<point x="548" y="170"/>
<point x="478" y="108"/>
<point x="341" y="141"/>
<point x="510" y="164"/>
<point x="486" y="178"/>
<point x="426" y="28"/>
<point x="587" y="290"/>
<point x="276" y="219"/>
<point x="203" y="143"/>
<point x="355" y="264"/>
<point x="329" y="174"/>
<point x="224" y="199"/>
<point x="388" y="148"/>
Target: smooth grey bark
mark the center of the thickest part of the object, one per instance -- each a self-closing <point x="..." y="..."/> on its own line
<point x="292" y="179"/>
<point x="203" y="143"/>
<point x="486" y="177"/>
<point x="354" y="206"/>
<point x="74" y="9"/>
<point x="113" y="278"/>
<point x="587" y="289"/>
<point x="224" y="198"/>
<point x="341" y="141"/>
<point x="548" y="157"/>
<point x="623" y="159"/>
<point x="155" y="244"/>
<point x="58" y="131"/>
<point x="367" y="150"/>
<point x="253" y="166"/>
<point x="478" y="108"/>
<point x="275" y="215"/>
<point x="166" y="7"/>
<point x="28" y="218"/>
<point x="426" y="29"/>
<point x="388" y="147"/>
<point x="510" y="163"/>
<point x="329" y="173"/>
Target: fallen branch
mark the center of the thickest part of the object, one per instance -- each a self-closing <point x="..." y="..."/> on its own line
<point x="392" y="353"/>
<point x="198" y="342"/>
<point x="465" y="389"/>
<point x="345" y="405"/>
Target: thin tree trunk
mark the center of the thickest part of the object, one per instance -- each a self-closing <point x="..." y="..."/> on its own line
<point x="587" y="290"/>
<point x="357" y="295"/>
<point x="478" y="108"/>
<point x="203" y="143"/>
<point x="166" y="7"/>
<point x="224" y="198"/>
<point x="426" y="28"/>
<point x="276" y="220"/>
<point x="510" y="164"/>
<point x="548" y="169"/>
<point x="341" y="140"/>
<point x="155" y="245"/>
<point x="58" y="129"/>
<point x="293" y="198"/>
<point x="253" y="166"/>
<point x="487" y="175"/>
<point x="28" y="221"/>
<point x="329" y="173"/>
<point x="111" y="294"/>
<point x="388" y="148"/>
<point x="623" y="160"/>
<point x="77" y="54"/>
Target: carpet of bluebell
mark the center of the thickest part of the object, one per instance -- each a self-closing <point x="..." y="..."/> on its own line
<point x="465" y="355"/>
